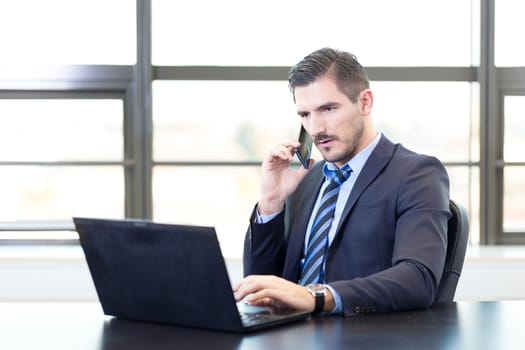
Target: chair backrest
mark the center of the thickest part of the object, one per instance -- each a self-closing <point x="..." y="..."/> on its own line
<point x="458" y="232"/>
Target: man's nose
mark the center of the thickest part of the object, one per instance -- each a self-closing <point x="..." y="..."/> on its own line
<point x="316" y="125"/>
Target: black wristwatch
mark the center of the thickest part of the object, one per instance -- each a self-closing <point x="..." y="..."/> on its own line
<point x="318" y="290"/>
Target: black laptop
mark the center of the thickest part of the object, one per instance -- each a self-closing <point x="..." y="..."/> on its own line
<point x="165" y="273"/>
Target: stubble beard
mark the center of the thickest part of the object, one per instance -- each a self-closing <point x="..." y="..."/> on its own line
<point x="353" y="142"/>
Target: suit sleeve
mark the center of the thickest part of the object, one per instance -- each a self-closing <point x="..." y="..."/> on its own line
<point x="264" y="247"/>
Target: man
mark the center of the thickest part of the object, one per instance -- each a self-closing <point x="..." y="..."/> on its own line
<point x="384" y="247"/>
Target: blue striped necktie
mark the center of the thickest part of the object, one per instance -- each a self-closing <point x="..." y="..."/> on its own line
<point x="318" y="240"/>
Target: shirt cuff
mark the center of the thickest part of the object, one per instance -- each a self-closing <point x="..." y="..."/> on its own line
<point x="263" y="219"/>
<point x="338" y="309"/>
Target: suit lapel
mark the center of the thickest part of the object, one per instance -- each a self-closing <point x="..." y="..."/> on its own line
<point x="377" y="161"/>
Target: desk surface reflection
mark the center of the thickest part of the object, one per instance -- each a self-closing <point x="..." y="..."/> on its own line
<point x="82" y="326"/>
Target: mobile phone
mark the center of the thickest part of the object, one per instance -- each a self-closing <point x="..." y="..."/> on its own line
<point x="305" y="150"/>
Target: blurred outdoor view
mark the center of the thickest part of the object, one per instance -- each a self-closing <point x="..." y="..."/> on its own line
<point x="235" y="121"/>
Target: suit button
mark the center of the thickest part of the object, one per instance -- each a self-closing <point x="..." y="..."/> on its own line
<point x="364" y="309"/>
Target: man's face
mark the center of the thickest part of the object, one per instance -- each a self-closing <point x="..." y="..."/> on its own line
<point x="336" y="124"/>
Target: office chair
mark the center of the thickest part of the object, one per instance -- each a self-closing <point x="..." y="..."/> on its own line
<point x="458" y="231"/>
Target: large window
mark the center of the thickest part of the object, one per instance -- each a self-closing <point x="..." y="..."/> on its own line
<point x="514" y="169"/>
<point x="221" y="120"/>
<point x="165" y="109"/>
<point x="56" y="32"/>
<point x="279" y="33"/>
<point x="509" y="22"/>
<point x="59" y="158"/>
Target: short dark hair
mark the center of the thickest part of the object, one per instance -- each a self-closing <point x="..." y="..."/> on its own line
<point x="350" y="76"/>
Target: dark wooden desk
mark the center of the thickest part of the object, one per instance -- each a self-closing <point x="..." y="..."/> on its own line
<point x="82" y="326"/>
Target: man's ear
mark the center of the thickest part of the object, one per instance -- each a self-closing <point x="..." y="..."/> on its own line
<point x="366" y="101"/>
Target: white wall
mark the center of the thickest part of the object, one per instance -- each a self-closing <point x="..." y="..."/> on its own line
<point x="52" y="274"/>
<point x="493" y="273"/>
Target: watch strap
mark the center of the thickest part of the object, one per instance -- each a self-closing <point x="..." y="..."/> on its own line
<point x="319" y="303"/>
<point x="318" y="291"/>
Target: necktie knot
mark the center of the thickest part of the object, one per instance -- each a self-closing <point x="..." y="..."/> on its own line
<point x="338" y="176"/>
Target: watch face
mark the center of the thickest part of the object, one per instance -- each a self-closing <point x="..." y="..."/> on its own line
<point x="316" y="288"/>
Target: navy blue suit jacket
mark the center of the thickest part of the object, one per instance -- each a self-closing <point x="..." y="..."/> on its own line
<point x="390" y="246"/>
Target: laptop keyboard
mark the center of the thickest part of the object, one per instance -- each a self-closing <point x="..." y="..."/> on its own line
<point x="250" y="319"/>
<point x="256" y="315"/>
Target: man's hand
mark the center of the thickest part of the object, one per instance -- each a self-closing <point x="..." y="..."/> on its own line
<point x="278" y="180"/>
<point x="265" y="290"/>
